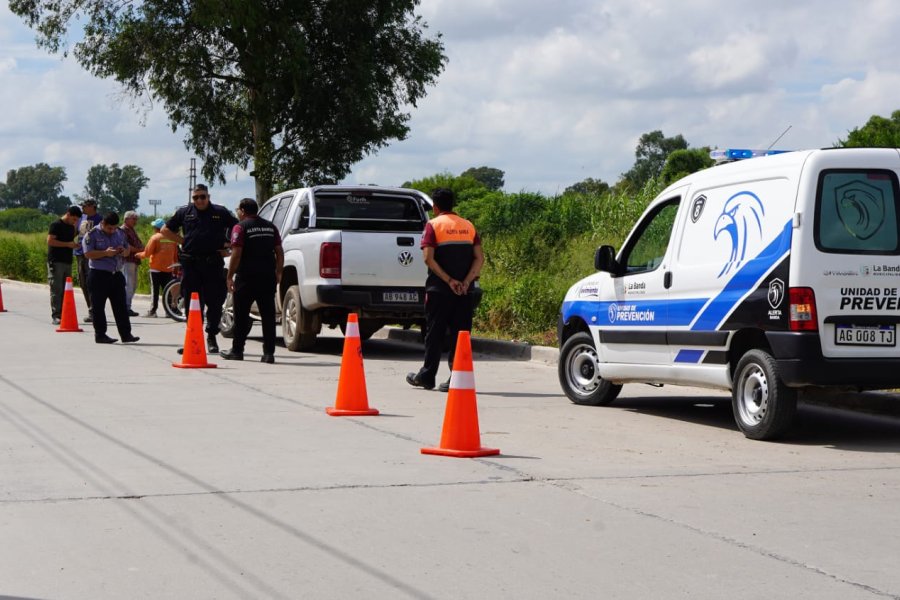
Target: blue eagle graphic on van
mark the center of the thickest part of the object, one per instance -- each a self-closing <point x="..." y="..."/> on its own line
<point x="741" y="219"/>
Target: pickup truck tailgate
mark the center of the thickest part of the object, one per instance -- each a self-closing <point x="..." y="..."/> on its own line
<point x="382" y="259"/>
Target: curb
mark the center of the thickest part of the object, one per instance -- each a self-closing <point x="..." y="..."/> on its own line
<point x="512" y="350"/>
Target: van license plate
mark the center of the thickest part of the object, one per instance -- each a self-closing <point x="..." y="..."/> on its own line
<point x="407" y="297"/>
<point x="865" y="335"/>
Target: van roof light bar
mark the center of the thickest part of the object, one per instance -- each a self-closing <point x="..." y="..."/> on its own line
<point x="741" y="154"/>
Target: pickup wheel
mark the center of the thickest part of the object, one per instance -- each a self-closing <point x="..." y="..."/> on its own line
<point x="764" y="407"/>
<point x="578" y="373"/>
<point x="291" y="313"/>
<point x="226" y="323"/>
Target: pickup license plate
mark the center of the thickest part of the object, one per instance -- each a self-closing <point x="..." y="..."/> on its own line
<point x="865" y="335"/>
<point x="405" y="297"/>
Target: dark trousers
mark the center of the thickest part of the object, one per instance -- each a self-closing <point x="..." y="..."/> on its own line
<point x="108" y="285"/>
<point x="158" y="281"/>
<point x="207" y="278"/>
<point x="445" y="314"/>
<point x="248" y="290"/>
<point x="84" y="276"/>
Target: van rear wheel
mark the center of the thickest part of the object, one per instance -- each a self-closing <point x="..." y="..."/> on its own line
<point x="763" y="406"/>
<point x="579" y="373"/>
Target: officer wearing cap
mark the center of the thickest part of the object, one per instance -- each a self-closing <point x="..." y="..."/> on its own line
<point x="207" y="227"/>
<point x="90" y="218"/>
<point x="254" y="271"/>
<point x="452" y="251"/>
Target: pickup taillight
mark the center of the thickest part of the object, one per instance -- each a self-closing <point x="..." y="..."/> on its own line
<point x="803" y="309"/>
<point x="330" y="260"/>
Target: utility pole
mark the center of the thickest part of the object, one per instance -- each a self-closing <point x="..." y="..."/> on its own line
<point x="154" y="202"/>
<point x="192" y="179"/>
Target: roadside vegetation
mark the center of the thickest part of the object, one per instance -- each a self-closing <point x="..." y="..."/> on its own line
<point x="536" y="246"/>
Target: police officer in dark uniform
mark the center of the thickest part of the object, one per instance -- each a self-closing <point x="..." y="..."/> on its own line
<point x="452" y="251"/>
<point x="254" y="272"/>
<point x="206" y="230"/>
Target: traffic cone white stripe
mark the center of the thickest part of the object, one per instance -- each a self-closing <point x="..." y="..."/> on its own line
<point x="352" y="330"/>
<point x="69" y="286"/>
<point x="462" y="380"/>
<point x="195" y="304"/>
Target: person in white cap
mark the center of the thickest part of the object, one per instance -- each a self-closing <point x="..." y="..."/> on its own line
<point x="162" y="254"/>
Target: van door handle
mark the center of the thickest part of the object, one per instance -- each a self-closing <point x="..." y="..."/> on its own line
<point x="667" y="280"/>
<point x="405" y="241"/>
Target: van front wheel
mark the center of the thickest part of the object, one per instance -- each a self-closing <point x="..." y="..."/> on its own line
<point x="579" y="374"/>
<point x="763" y="406"/>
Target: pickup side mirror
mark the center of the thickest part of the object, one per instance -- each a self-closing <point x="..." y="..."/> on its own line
<point x="605" y="260"/>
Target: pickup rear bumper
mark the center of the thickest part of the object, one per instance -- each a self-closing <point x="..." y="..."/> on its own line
<point x="376" y="298"/>
<point x="382" y="299"/>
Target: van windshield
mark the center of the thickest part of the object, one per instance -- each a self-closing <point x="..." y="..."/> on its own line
<point x="360" y="211"/>
<point x="856" y="212"/>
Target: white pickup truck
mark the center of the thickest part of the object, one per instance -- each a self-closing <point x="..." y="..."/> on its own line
<point x="346" y="249"/>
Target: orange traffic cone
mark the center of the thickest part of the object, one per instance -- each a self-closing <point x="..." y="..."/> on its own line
<point x="194" y="356"/>
<point x="460" y="436"/>
<point x="352" y="400"/>
<point x="69" y="321"/>
<point x="1" y="300"/>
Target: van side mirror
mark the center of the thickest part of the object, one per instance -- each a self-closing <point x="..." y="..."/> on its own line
<point x="605" y="260"/>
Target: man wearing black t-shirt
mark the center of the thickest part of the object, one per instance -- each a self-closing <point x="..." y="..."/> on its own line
<point x="60" y="243"/>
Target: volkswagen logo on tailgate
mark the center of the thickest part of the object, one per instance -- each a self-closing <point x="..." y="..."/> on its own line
<point x="405" y="258"/>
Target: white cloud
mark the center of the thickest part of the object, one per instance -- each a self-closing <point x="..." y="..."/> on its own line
<point x="550" y="92"/>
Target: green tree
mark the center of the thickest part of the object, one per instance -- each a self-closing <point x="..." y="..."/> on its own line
<point x="491" y="178"/>
<point x="651" y="152"/>
<point x="878" y="132"/>
<point x="39" y="186"/>
<point x="588" y="187"/>
<point x="684" y="162"/>
<point x="95" y="185"/>
<point x="115" y="188"/>
<point x="303" y="89"/>
<point x="462" y="186"/>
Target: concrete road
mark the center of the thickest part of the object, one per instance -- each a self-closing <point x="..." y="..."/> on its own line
<point x="122" y="477"/>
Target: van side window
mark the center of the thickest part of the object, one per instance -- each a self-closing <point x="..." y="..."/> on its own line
<point x="856" y="212"/>
<point x="647" y="250"/>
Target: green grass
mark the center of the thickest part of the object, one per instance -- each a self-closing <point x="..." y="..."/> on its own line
<point x="535" y="248"/>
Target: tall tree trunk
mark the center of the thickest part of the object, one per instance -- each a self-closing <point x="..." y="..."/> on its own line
<point x="262" y="161"/>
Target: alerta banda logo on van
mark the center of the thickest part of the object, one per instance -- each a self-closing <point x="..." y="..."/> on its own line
<point x="741" y="220"/>
<point x="629" y="312"/>
<point x="697" y="208"/>
<point x="860" y="207"/>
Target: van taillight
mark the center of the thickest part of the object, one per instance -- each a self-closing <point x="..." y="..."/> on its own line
<point x="803" y="309"/>
<point x="330" y="260"/>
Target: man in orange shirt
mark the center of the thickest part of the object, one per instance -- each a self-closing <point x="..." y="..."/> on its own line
<point x="452" y="251"/>
<point x="163" y="253"/>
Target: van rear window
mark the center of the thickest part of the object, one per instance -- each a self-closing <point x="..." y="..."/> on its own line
<point x="368" y="212"/>
<point x="856" y="212"/>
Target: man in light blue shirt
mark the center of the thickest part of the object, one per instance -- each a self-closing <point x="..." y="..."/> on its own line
<point x="105" y="247"/>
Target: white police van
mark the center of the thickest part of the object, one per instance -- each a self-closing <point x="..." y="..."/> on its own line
<point x="760" y="276"/>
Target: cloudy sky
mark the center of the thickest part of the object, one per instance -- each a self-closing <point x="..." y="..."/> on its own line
<point x="549" y="92"/>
